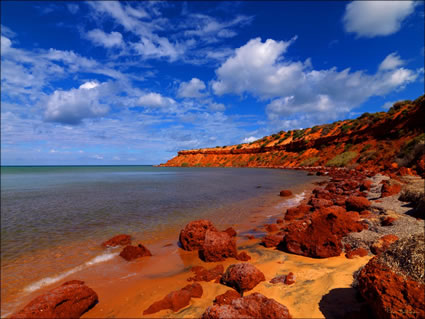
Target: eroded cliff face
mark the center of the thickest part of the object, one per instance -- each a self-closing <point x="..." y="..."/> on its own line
<point x="392" y="141"/>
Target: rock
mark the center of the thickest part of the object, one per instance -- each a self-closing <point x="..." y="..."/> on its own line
<point x="118" y="240"/>
<point x="387" y="220"/>
<point x="389" y="189"/>
<point x="255" y="305"/>
<point x="227" y="297"/>
<point x="320" y="236"/>
<point x="366" y="185"/>
<point x="217" y="246"/>
<point x="272" y="228"/>
<point x="279" y="221"/>
<point x="357" y="203"/>
<point x="176" y="300"/>
<point x="242" y="277"/>
<point x="285" y="193"/>
<point x="231" y="232"/>
<point x="298" y="212"/>
<point x="361" y="252"/>
<point x="133" y="252"/>
<point x="250" y="237"/>
<point x="393" y="283"/>
<point x="318" y="203"/>
<point x="70" y="300"/>
<point x="202" y="274"/>
<point x="192" y="236"/>
<point x="243" y="256"/>
<point x="288" y="279"/>
<point x="383" y="243"/>
<point x="272" y="240"/>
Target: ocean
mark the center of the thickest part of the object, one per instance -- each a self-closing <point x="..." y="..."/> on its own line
<point x="54" y="218"/>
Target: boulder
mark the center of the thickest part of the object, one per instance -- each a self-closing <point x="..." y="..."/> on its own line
<point x="272" y="240"/>
<point x="227" y="297"/>
<point x="192" y="236"/>
<point x="298" y="212"/>
<point x="231" y="232"/>
<point x="118" y="240"/>
<point x="272" y="228"/>
<point x="217" y="246"/>
<point x="242" y="277"/>
<point x="393" y="283"/>
<point x="176" y="300"/>
<point x="243" y="256"/>
<point x="133" y="252"/>
<point x="383" y="243"/>
<point x="320" y="236"/>
<point x="285" y="193"/>
<point x="357" y="203"/>
<point x="202" y="274"/>
<point x="361" y="252"/>
<point x="70" y="300"/>
<point x="255" y="305"/>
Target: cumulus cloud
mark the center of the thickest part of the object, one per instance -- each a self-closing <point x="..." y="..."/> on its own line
<point x="192" y="89"/>
<point x="260" y="68"/>
<point x="155" y="100"/>
<point x="71" y="107"/>
<point x="107" y="40"/>
<point x="249" y="139"/>
<point x="376" y="18"/>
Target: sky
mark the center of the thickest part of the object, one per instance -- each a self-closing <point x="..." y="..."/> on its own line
<point x="128" y="83"/>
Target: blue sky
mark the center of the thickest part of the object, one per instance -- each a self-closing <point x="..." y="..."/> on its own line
<point x="134" y="82"/>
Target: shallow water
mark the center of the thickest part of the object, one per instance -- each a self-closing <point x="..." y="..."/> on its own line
<point x="54" y="218"/>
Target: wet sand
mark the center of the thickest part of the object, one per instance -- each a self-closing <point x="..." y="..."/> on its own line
<point x="126" y="289"/>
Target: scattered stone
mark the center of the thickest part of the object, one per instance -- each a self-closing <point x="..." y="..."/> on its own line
<point x="118" y="240"/>
<point x="357" y="203"/>
<point x="192" y="236"/>
<point x="71" y="300"/>
<point x="243" y="256"/>
<point x="250" y="237"/>
<point x="202" y="274"/>
<point x="361" y="252"/>
<point x="231" y="232"/>
<point x="227" y="297"/>
<point x="387" y="220"/>
<point x="242" y="277"/>
<point x="176" y="300"/>
<point x="133" y="252"/>
<point x="288" y="279"/>
<point x="217" y="246"/>
<point x="285" y="193"/>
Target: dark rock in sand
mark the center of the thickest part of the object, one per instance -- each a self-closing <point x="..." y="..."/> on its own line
<point x="272" y="240"/>
<point x="70" y="300"/>
<point x="285" y="193"/>
<point x="217" y="246"/>
<point x="231" y="232"/>
<point x="134" y="252"/>
<point x="176" y="300"/>
<point x="255" y="305"/>
<point x="192" y="236"/>
<point x="119" y="240"/>
<point x="242" y="277"/>
<point x="243" y="256"/>
<point x="288" y="279"/>
<point x="357" y="203"/>
<point x="227" y="297"/>
<point x="202" y="274"/>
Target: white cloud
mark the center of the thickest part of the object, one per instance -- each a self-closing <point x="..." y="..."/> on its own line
<point x="71" y="107"/>
<point x="155" y="100"/>
<point x="192" y="88"/>
<point x="376" y="18"/>
<point x="392" y="61"/>
<point x="107" y="40"/>
<point x="249" y="139"/>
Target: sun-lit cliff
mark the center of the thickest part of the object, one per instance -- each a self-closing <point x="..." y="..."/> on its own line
<point x="393" y="141"/>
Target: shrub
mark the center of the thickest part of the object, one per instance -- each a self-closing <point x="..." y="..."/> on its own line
<point x="342" y="159"/>
<point x="185" y="164"/>
<point x="239" y="146"/>
<point x="366" y="147"/>
<point x="309" y="161"/>
<point x="411" y="150"/>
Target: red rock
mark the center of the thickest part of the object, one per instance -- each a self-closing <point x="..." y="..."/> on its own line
<point x="288" y="279"/>
<point x="227" y="297"/>
<point x="389" y="294"/>
<point x="365" y="213"/>
<point x="320" y="236"/>
<point x="202" y="274"/>
<point x="279" y="221"/>
<point x="383" y="243"/>
<point x="285" y="193"/>
<point x="253" y="306"/>
<point x="242" y="277"/>
<point x="318" y="203"/>
<point x="176" y="300"/>
<point x="272" y="228"/>
<point x="119" y="240"/>
<point x="361" y="252"/>
<point x="70" y="300"/>
<point x="388" y="221"/>
<point x="322" y="194"/>
<point x="357" y="203"/>
<point x="366" y="185"/>
<point x="133" y="252"/>
<point x="250" y="237"/>
<point x="231" y="232"/>
<point x="243" y="256"/>
<point x="192" y="236"/>
<point x="389" y="190"/>
<point x="298" y="212"/>
<point x="217" y="246"/>
<point x="271" y="240"/>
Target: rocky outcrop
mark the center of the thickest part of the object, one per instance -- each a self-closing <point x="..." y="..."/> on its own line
<point x="118" y="240"/>
<point x="192" y="236"/>
<point x="242" y="277"/>
<point x="393" y="283"/>
<point x="253" y="306"/>
<point x="217" y="246"/>
<point x="70" y="300"/>
<point x="133" y="252"/>
<point x="176" y="300"/>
